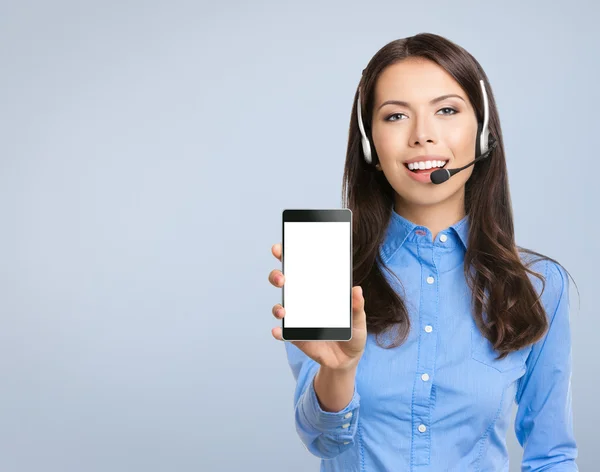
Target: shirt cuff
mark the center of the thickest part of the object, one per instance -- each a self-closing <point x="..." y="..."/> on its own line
<point x="341" y="423"/>
<point x="569" y="466"/>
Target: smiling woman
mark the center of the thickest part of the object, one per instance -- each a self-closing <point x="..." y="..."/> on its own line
<point x="474" y="321"/>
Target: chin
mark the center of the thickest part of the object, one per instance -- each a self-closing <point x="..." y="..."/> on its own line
<point x="423" y="200"/>
<point x="417" y="193"/>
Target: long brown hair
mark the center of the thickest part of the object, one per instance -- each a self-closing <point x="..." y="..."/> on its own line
<point x="499" y="282"/>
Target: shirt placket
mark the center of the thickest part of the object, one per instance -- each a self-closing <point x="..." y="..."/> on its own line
<point x="421" y="408"/>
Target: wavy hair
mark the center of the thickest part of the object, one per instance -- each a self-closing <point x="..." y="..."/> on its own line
<point x="493" y="266"/>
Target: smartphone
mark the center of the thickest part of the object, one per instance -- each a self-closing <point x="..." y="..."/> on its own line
<point x="317" y="266"/>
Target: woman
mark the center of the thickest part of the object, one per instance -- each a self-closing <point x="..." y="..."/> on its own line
<point x="473" y="321"/>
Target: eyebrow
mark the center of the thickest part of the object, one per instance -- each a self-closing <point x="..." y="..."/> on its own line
<point x="406" y="104"/>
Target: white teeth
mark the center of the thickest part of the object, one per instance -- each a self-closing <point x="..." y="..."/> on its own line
<point x="426" y="164"/>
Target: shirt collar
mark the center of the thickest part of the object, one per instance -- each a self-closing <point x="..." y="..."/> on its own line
<point x="401" y="230"/>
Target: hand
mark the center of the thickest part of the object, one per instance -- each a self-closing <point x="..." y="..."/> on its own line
<point x="333" y="354"/>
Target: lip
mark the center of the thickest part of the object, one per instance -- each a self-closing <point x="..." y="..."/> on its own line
<point x="423" y="177"/>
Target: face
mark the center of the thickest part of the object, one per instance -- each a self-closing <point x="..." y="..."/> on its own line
<point x="445" y="129"/>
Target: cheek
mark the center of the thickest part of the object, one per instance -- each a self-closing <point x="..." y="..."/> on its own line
<point x="458" y="140"/>
<point x="461" y="141"/>
<point x="387" y="144"/>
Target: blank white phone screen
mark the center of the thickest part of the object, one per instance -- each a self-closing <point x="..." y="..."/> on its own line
<point x="317" y="269"/>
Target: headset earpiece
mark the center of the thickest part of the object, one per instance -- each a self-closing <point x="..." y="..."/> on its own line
<point x="478" y="143"/>
<point x="366" y="145"/>
<point x="483" y="133"/>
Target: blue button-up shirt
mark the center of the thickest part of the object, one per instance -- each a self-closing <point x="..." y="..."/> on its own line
<point x="441" y="401"/>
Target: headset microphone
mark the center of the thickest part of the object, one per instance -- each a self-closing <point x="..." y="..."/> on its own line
<point x="441" y="175"/>
<point x="483" y="146"/>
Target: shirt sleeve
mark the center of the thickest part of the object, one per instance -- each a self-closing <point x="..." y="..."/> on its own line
<point x="324" y="434"/>
<point x="544" y="420"/>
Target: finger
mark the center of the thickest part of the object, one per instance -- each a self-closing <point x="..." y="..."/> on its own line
<point x="277" y="278"/>
<point x="278" y="311"/>
<point x="276" y="332"/>
<point x="276" y="250"/>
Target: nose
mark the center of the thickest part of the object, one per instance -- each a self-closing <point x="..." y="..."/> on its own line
<point x="422" y="140"/>
<point x="422" y="132"/>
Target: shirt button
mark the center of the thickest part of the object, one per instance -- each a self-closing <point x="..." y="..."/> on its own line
<point x="430" y="280"/>
<point x="345" y="425"/>
<point x="348" y="415"/>
<point x="346" y="442"/>
<point x="422" y="428"/>
<point x="428" y="329"/>
<point x="443" y="238"/>
<point x="425" y="377"/>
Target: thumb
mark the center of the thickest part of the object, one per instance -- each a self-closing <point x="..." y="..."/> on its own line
<point x="358" y="308"/>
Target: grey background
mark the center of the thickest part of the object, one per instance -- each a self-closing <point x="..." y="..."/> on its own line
<point x="147" y="151"/>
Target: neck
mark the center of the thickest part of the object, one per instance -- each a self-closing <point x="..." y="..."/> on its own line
<point x="436" y="217"/>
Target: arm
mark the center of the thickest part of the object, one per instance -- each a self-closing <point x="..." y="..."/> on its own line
<point x="544" y="421"/>
<point x="325" y="423"/>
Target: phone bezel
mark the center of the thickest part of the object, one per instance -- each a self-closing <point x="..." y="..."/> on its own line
<point x="317" y="333"/>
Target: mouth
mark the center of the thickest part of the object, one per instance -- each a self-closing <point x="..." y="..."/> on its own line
<point x="417" y="170"/>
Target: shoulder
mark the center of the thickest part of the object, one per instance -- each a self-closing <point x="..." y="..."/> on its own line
<point x="554" y="284"/>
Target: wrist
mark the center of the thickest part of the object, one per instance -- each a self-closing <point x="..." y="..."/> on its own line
<point x="340" y="371"/>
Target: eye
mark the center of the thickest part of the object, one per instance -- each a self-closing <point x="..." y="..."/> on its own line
<point x="449" y="108"/>
<point x="454" y="112"/>
<point x="394" y="114"/>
